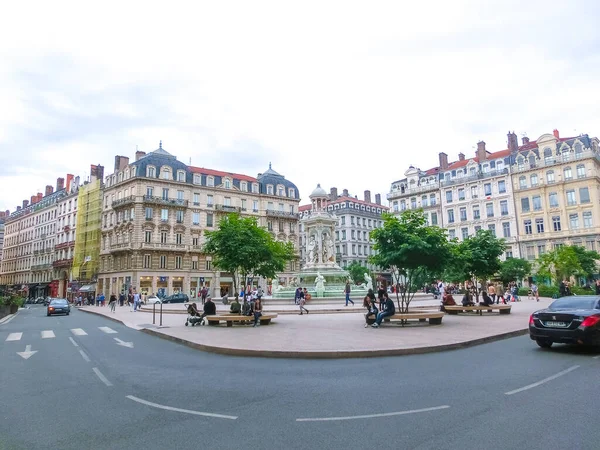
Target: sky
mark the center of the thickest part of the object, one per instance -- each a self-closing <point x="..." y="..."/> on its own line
<point x="343" y="93"/>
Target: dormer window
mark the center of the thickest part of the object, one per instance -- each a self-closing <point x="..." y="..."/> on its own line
<point x="133" y="170"/>
<point x="150" y="172"/>
<point x="499" y="166"/>
<point x="227" y="183"/>
<point x="291" y="193"/>
<point x="165" y="173"/>
<point x="120" y="177"/>
<point x="210" y="181"/>
<point x="281" y="191"/>
<point x="197" y="178"/>
<point x="114" y="179"/>
<point x="244" y="186"/>
<point x="255" y="188"/>
<point x="126" y="176"/>
<point x="269" y="189"/>
<point x="181" y="176"/>
<point x="486" y="168"/>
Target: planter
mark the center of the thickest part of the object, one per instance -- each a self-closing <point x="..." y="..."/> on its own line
<point x="4" y="311"/>
<point x="14" y="309"/>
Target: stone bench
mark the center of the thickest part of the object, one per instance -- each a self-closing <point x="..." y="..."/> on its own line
<point x="265" y="319"/>
<point x="434" y="317"/>
<point x="454" y="310"/>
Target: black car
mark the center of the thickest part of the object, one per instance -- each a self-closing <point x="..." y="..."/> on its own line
<point x="568" y="320"/>
<point x="58" y="306"/>
<point x="176" y="298"/>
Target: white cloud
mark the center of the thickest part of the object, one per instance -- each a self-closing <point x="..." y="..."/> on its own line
<point x="347" y="94"/>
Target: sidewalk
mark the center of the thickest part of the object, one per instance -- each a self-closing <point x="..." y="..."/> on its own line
<point x="332" y="335"/>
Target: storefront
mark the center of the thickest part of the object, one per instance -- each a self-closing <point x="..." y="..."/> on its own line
<point x="146" y="286"/>
<point x="177" y="285"/>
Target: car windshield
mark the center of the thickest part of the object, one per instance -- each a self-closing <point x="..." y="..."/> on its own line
<point x="574" y="303"/>
<point x="58" y="302"/>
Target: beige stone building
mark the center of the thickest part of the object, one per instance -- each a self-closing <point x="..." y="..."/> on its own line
<point x="556" y="182"/>
<point x="156" y="211"/>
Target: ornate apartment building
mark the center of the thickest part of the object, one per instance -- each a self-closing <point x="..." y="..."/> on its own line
<point x="156" y="211"/>
<point x="3" y="216"/>
<point x="356" y="218"/>
<point x="557" y="192"/>
<point x="419" y="189"/>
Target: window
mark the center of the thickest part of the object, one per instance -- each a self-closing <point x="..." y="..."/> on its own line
<point x="243" y="204"/>
<point x="149" y="213"/>
<point x="434" y="219"/>
<point x="508" y="254"/>
<point x="178" y="261"/>
<point x="196" y="198"/>
<point x="584" y="195"/>
<point x="461" y="194"/>
<point x="163" y="237"/>
<point x="489" y="209"/>
<point x="530" y="252"/>
<point x="280" y="226"/>
<point x="506" y="229"/>
<point x="244" y="186"/>
<point x="210" y="200"/>
<point x="533" y="179"/>
<point x="292" y="227"/>
<point x="208" y="265"/>
<point x="402" y="205"/>
<point x="476" y="212"/>
<point x="227" y="183"/>
<point x="227" y="201"/>
<point x="537" y="202"/>
<point x="525" y="204"/>
<point x="587" y="219"/>
<point x="492" y="229"/>
<point x="165" y="194"/>
<point x="194" y="265"/>
<point x="209" y="219"/>
<point x="281" y="191"/>
<point x="541" y="248"/>
<point x="413" y="203"/>
<point x="165" y="174"/>
<point x="473" y="191"/>
<point x="210" y="181"/>
<point x="448" y="196"/>
<point x="548" y="156"/>
<point x="504" y="207"/>
<point x="255" y="205"/>
<point x="149" y="191"/>
<point x="451" y="234"/>
<point x="528" y="229"/>
<point x="477" y="228"/>
<point x="487" y="188"/>
<point x="574" y="221"/>
<point x="567" y="173"/>
<point x="522" y="182"/>
<point x="353" y="234"/>
<point x="351" y="220"/>
<point x="423" y="202"/>
<point x="196" y="218"/>
<point x="178" y="238"/>
<point x="550" y="176"/>
<point x="432" y="200"/>
<point x="463" y="214"/>
<point x="556" y="223"/>
<point x="343" y="220"/>
<point x="181" y="176"/>
<point x="499" y="166"/>
<point x="553" y="199"/>
<point x="571" y="200"/>
<point x="147" y="261"/>
<point x="395" y="206"/>
<point x="450" y="216"/>
<point x="354" y="249"/>
<point x="291" y="193"/>
<point x="269" y="189"/>
<point x="150" y="172"/>
<point x="581" y="171"/>
<point x="148" y="237"/>
<point x="281" y="207"/>
<point x="164" y="215"/>
<point x="501" y="187"/>
<point x="163" y="262"/>
<point x="539" y="224"/>
<point x="197" y="178"/>
<point x="179" y="195"/>
<point x="195" y="241"/>
<point x="464" y="232"/>
<point x="343" y="235"/>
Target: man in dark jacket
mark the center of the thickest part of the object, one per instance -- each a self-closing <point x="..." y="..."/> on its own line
<point x="389" y="309"/>
<point x="210" y="309"/>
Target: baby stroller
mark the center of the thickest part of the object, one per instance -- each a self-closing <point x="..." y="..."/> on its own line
<point x="194" y="316"/>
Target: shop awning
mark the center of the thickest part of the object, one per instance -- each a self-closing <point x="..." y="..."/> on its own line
<point x="88" y="288"/>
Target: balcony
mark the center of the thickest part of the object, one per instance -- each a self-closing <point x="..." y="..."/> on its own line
<point x="555" y="160"/>
<point x="227" y="208"/>
<point x="160" y="246"/>
<point x="38" y="267"/>
<point x="121" y="246"/>
<point x="62" y="263"/>
<point x="64" y="245"/>
<point x="123" y="202"/>
<point x="417" y="190"/>
<point x="167" y="202"/>
<point x="474" y="177"/>
<point x="272" y="212"/>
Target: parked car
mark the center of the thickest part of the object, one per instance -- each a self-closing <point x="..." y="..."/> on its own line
<point x="568" y="320"/>
<point x="151" y="299"/>
<point x="176" y="298"/>
<point x="58" y="306"/>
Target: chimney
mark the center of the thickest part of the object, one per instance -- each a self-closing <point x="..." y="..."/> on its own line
<point x="368" y="196"/>
<point x="481" y="153"/>
<point x="49" y="190"/>
<point x="345" y="192"/>
<point x="556" y="135"/>
<point x="39" y="197"/>
<point x="7" y="213"/>
<point x="443" y="161"/>
<point x="525" y="140"/>
<point x="60" y="184"/>
<point x="69" y="182"/>
<point x="121" y="162"/>
<point x="139" y="155"/>
<point x="461" y="156"/>
<point x="333" y="193"/>
<point x="513" y="143"/>
<point x="96" y="172"/>
<point x="25" y="203"/>
<point x="378" y="199"/>
<point x="33" y="199"/>
<point x="18" y="208"/>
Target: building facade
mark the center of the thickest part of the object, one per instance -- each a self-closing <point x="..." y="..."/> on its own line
<point x="3" y="216"/>
<point x="356" y="219"/>
<point x="66" y="222"/>
<point x="156" y="210"/>
<point x="419" y="189"/>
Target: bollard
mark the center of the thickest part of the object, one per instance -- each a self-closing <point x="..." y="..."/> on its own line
<point x="154" y="314"/>
<point x="161" y="314"/>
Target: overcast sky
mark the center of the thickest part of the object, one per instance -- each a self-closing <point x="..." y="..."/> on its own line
<point x="342" y="93"/>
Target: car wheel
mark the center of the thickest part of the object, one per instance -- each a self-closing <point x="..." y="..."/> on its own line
<point x="68" y="314"/>
<point x="47" y="315"/>
<point x="544" y="343"/>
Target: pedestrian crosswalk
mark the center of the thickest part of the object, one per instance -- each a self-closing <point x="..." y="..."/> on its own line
<point x="49" y="334"/>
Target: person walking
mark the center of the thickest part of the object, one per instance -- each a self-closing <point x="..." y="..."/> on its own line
<point x="536" y="292"/>
<point x="136" y="301"/>
<point x="302" y="301"/>
<point x="257" y="312"/>
<point x="347" y="290"/>
<point x="297" y="295"/>
<point x="112" y="302"/>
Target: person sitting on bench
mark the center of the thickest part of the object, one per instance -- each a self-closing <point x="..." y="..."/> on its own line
<point x="236" y="307"/>
<point x="388" y="310"/>
<point x="448" y="300"/>
<point x="487" y="300"/>
<point x="467" y="300"/>
<point x="246" y="308"/>
<point x="210" y="309"/>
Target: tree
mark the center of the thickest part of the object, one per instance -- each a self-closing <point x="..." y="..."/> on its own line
<point x="514" y="269"/>
<point x="413" y="251"/>
<point x="356" y="271"/>
<point x="477" y="257"/>
<point x="241" y="247"/>
<point x="567" y="261"/>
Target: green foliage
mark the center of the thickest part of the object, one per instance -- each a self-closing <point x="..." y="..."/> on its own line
<point x="523" y="291"/>
<point x="411" y="250"/>
<point x="240" y="246"/>
<point x="567" y="261"/>
<point x="356" y="271"/>
<point x="548" y="291"/>
<point x="582" y="290"/>
<point x="514" y="269"/>
<point x="12" y="300"/>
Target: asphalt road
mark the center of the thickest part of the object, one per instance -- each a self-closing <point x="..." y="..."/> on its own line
<point x="91" y="391"/>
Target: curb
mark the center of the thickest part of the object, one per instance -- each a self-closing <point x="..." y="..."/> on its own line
<point x="8" y="318"/>
<point x="323" y="355"/>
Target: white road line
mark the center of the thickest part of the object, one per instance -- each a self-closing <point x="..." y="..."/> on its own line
<point x="14" y="337"/>
<point x="102" y="377"/>
<point x="107" y="330"/>
<point x="78" y="332"/>
<point x="545" y="380"/>
<point x="373" y="416"/>
<point x="47" y="334"/>
<point x="597" y="357"/>
<point x="84" y="356"/>
<point x="8" y="318"/>
<point x="73" y="341"/>
<point x="187" y="411"/>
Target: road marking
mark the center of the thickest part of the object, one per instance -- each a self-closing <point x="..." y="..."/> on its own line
<point x="123" y="343"/>
<point x="14" y="337"/>
<point x="545" y="380"/>
<point x="47" y="334"/>
<point x="373" y="416"/>
<point x="108" y="330"/>
<point x="102" y="377"/>
<point x="78" y="332"/>
<point x="84" y="356"/>
<point x="597" y="357"/>
<point x="73" y="341"/>
<point x="187" y="411"/>
<point x="27" y="353"/>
